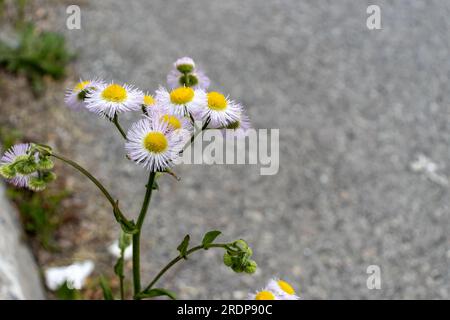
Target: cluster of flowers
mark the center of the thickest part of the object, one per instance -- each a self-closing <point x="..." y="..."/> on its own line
<point x="157" y="140"/>
<point x="25" y="166"/>
<point x="169" y="116"/>
<point x="275" y="289"/>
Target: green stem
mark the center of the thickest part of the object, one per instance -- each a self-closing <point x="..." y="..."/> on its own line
<point x="178" y="258"/>
<point x="88" y="175"/>
<point x="194" y="136"/>
<point x="121" y="278"/>
<point x="115" y="204"/>
<point x="115" y="120"/>
<point x="137" y="235"/>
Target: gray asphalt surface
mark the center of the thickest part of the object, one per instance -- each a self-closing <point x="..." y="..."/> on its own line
<point x="354" y="107"/>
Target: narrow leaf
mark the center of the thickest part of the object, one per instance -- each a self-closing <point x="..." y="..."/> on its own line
<point x="107" y="293"/>
<point x="183" y="246"/>
<point x="156" y="292"/>
<point x="210" y="237"/>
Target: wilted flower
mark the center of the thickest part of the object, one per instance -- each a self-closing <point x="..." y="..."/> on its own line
<point x="16" y="165"/>
<point x="23" y="166"/>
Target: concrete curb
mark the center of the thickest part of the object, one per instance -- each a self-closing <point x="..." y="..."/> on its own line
<point x="19" y="274"/>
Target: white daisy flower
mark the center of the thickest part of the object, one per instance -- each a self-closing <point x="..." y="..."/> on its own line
<point x="239" y="128"/>
<point x="196" y="79"/>
<point x="180" y="100"/>
<point x="152" y="143"/>
<point x="263" y="294"/>
<point x="113" y="98"/>
<point x="220" y="110"/>
<point x="174" y="122"/>
<point x="15" y="153"/>
<point x="282" y="289"/>
<point x="148" y="100"/>
<point x="75" y="97"/>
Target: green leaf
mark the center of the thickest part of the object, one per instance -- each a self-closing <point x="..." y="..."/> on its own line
<point x="210" y="237"/>
<point x="127" y="225"/>
<point x="183" y="246"/>
<point x="124" y="240"/>
<point x="156" y="292"/>
<point x="118" y="268"/>
<point x="107" y="293"/>
<point x="64" y="292"/>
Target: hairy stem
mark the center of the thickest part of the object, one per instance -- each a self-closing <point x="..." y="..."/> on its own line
<point x="137" y="235"/>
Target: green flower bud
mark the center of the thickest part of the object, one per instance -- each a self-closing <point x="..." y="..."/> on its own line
<point x="185" y="68"/>
<point x="241" y="245"/>
<point x="251" y="267"/>
<point x="25" y="166"/>
<point x="188" y="80"/>
<point x="7" y="171"/>
<point x="45" y="164"/>
<point x="48" y="177"/>
<point x="227" y="259"/>
<point x="37" y="184"/>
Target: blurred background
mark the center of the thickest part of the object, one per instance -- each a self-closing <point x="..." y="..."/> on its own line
<point x="364" y="140"/>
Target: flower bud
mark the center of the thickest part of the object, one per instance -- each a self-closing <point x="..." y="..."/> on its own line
<point x="188" y="80"/>
<point x="48" y="177"/>
<point x="45" y="164"/>
<point x="241" y="245"/>
<point x="37" y="184"/>
<point x="25" y="166"/>
<point x="250" y="267"/>
<point x="227" y="259"/>
<point x="7" y="171"/>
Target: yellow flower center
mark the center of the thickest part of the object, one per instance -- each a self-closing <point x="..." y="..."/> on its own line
<point x="217" y="101"/>
<point x="172" y="121"/>
<point x="149" y="100"/>
<point x="264" y="295"/>
<point x="286" y="287"/>
<point x="114" y="93"/>
<point x="182" y="95"/>
<point x="155" y="142"/>
<point x="81" y="85"/>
